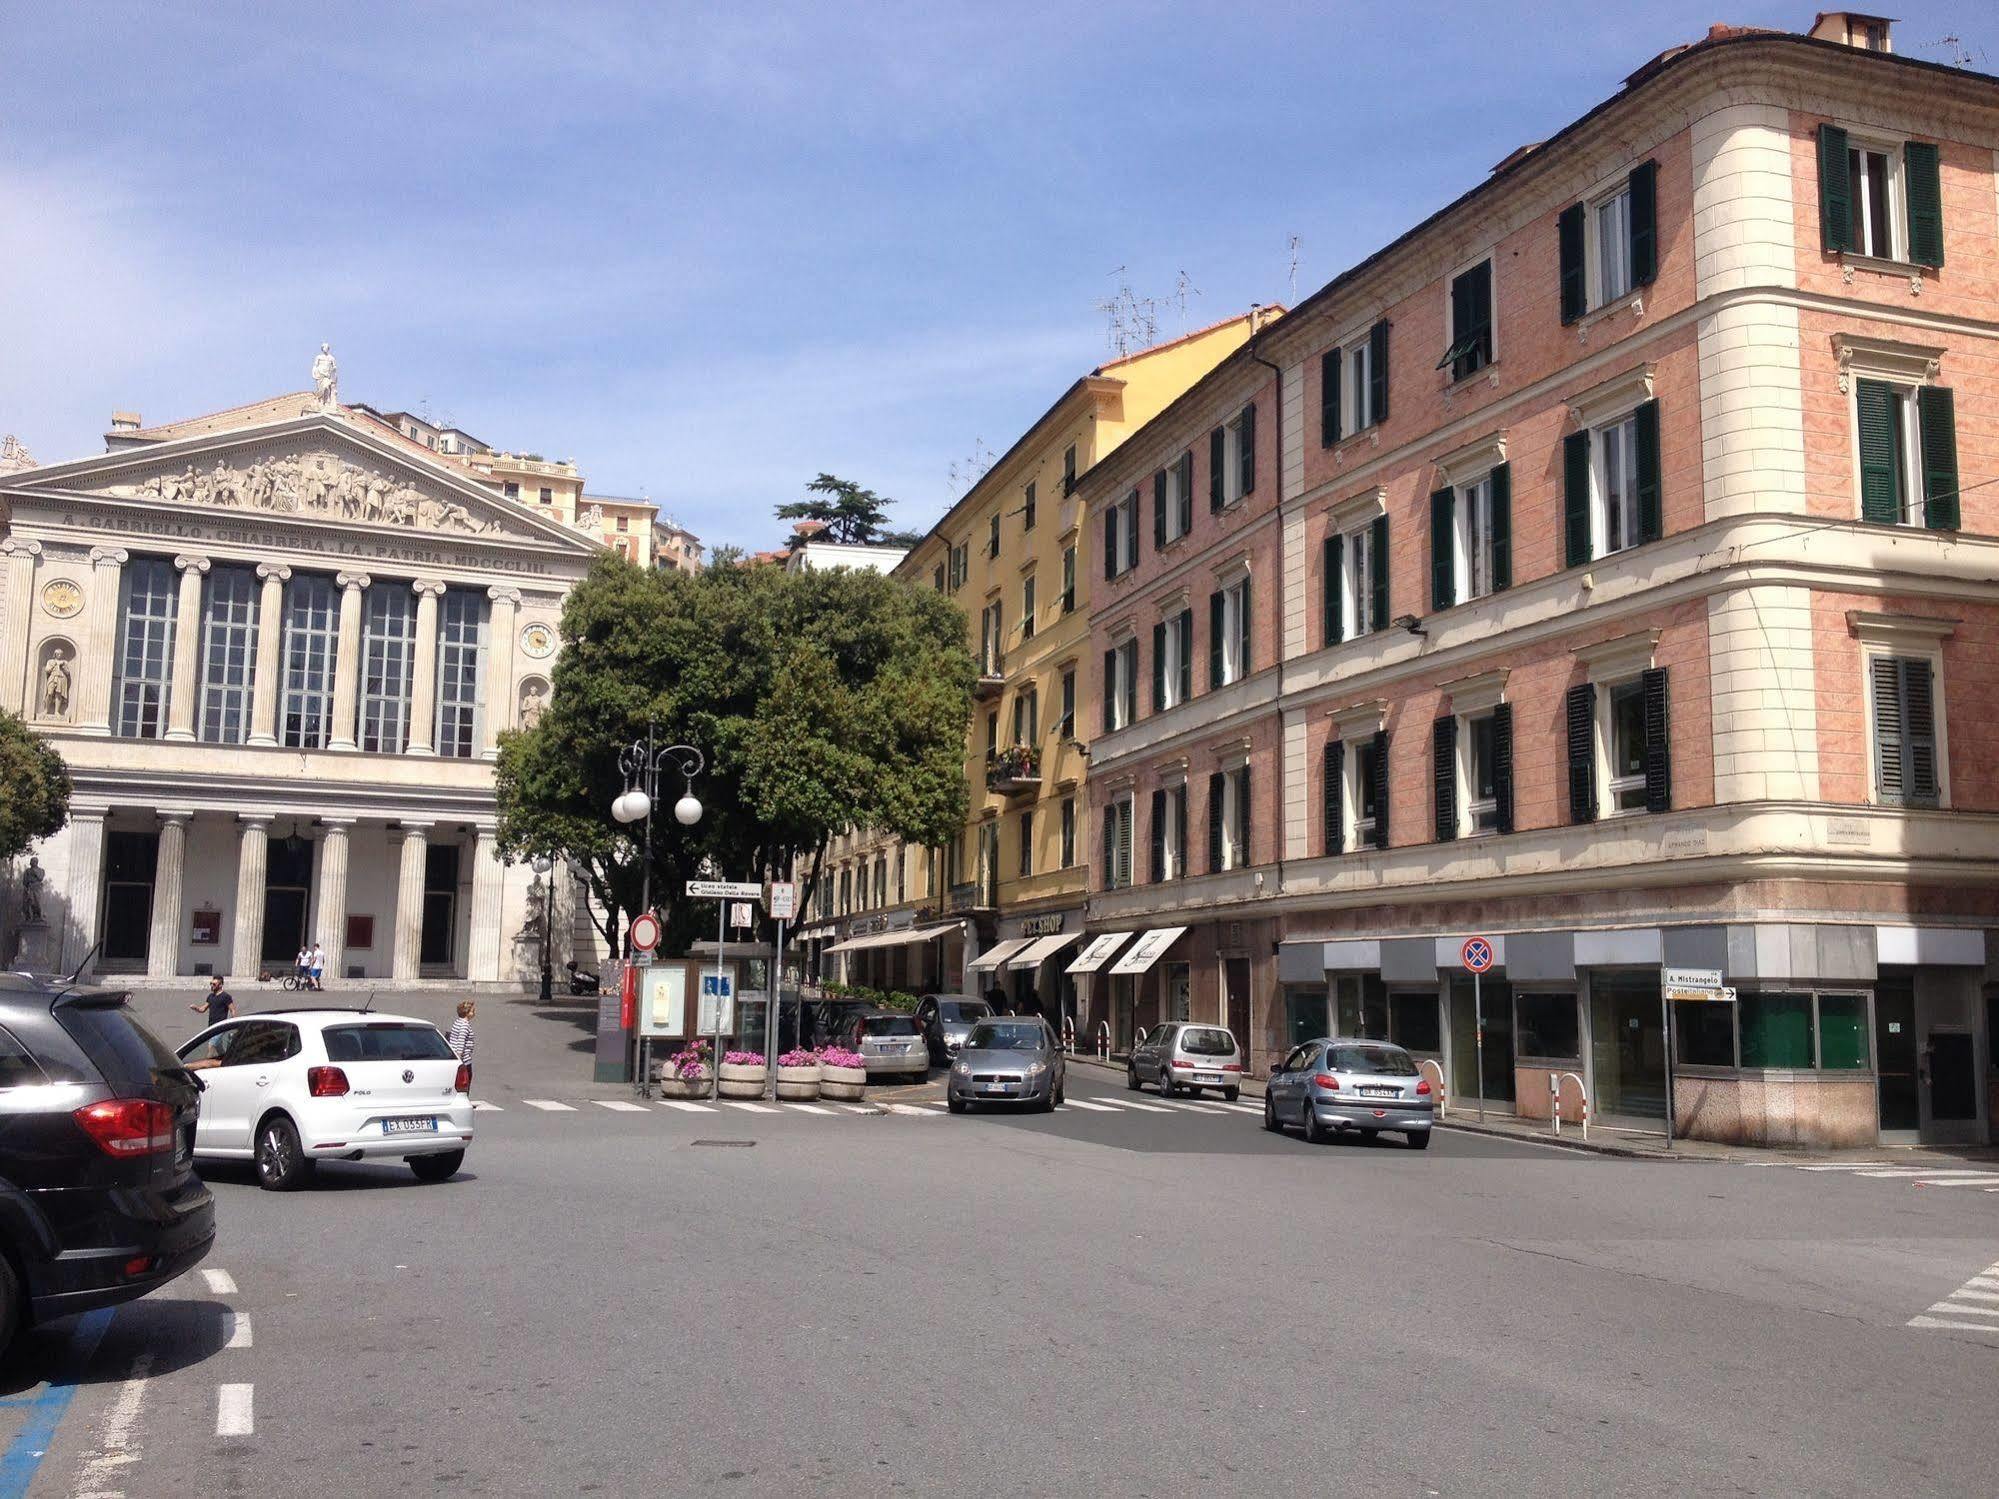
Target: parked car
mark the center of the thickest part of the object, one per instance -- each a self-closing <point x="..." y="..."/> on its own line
<point x="1328" y="1086"/>
<point x="1007" y="1059"/>
<point x="99" y="1202"/>
<point x="890" y="1043"/>
<point x="289" y="1088"/>
<point x="946" y="1020"/>
<point x="1177" y="1056"/>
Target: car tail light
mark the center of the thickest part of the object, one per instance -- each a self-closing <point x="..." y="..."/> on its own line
<point x="463" y="1082"/>
<point x="1231" y="1066"/>
<point x="1327" y="1080"/>
<point x="326" y="1082"/>
<point x="128" y="1126"/>
<point x="138" y="1265"/>
<point x="1181" y="1062"/>
<point x="1423" y="1088"/>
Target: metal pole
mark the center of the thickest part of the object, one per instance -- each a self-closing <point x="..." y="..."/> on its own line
<point x="771" y="1012"/>
<point x="1478" y="1019"/>
<point x="1666" y="1044"/>
<point x="721" y="945"/>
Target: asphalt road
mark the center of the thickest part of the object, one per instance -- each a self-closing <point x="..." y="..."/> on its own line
<point x="1114" y="1300"/>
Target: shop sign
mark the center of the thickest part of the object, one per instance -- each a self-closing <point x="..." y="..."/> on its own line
<point x="1041" y="926"/>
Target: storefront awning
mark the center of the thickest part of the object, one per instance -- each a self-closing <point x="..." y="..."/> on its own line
<point x="1039" y="951"/>
<point x="900" y="938"/>
<point x="997" y="954"/>
<point x="1098" y="952"/>
<point x="1148" y="949"/>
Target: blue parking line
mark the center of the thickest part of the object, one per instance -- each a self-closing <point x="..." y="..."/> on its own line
<point x="23" y="1458"/>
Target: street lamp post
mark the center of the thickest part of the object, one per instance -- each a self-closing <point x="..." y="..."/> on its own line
<point x="544" y="866"/>
<point x="641" y="761"/>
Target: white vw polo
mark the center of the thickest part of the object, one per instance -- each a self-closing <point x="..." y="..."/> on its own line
<point x="288" y="1088"/>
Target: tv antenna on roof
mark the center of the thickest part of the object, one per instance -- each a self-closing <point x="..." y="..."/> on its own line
<point x="967" y="471"/>
<point x="1295" y="242"/>
<point x="1133" y="320"/>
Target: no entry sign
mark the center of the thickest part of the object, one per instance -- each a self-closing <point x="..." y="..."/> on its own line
<point x="1477" y="954"/>
<point x="645" y="931"/>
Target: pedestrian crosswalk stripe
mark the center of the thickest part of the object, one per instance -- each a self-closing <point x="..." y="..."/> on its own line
<point x="1972" y="1307"/>
<point x="619" y="1106"/>
<point x="859" y="1108"/>
<point x="1984" y="1179"/>
<point x="480" y="1106"/>
<point x="1145" y="1108"/>
<point x="548" y="1105"/>
<point x="748" y="1107"/>
<point x="910" y="1109"/>
<point x="687" y="1108"/>
<point x="1928" y="1172"/>
<point x="1101" y="1108"/>
<point x="810" y="1108"/>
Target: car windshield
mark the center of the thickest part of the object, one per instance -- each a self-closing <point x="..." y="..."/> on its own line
<point x="1004" y="1035"/>
<point x="385" y="1041"/>
<point x="888" y="1025"/>
<point x="1382" y="1061"/>
<point x="1206" y="1041"/>
<point x="964" y="1009"/>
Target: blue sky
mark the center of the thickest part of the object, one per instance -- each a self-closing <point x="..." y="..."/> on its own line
<point x="708" y="252"/>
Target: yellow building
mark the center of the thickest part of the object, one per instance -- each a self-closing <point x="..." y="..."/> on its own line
<point x="1002" y="903"/>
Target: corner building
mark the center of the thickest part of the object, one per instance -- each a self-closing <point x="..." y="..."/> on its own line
<point x="1615" y="583"/>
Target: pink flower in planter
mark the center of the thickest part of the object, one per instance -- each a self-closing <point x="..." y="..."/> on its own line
<point x="834" y="1056"/>
<point x="797" y="1057"/>
<point x="744" y="1058"/>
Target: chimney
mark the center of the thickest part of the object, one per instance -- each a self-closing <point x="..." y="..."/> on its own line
<point x="124" y="421"/>
<point x="1255" y="317"/>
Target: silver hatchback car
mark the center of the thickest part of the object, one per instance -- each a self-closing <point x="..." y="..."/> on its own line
<point x="1007" y="1059"/>
<point x="1178" y="1056"/>
<point x="1330" y="1087"/>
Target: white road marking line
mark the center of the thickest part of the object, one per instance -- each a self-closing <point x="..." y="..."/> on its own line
<point x="1955" y="1179"/>
<point x="685" y="1107"/>
<point x="858" y="1108"/>
<point x="1958" y="1309"/>
<point x="1849" y="1166"/>
<point x="115" y="1448"/>
<point x="234" y="1415"/>
<point x="1964" y="1293"/>
<point x="1914" y="1171"/>
<point x="910" y="1111"/>
<point x="548" y="1106"/>
<point x="1944" y="1322"/>
<point x="620" y="1106"/>
<point x="480" y="1106"/>
<point x="238" y="1326"/>
<point x="1095" y="1108"/>
<point x="1147" y="1108"/>
<point x="220" y="1282"/>
<point x="749" y="1108"/>
<point x="811" y="1108"/>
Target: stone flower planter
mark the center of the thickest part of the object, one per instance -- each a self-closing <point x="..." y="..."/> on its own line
<point x="682" y="1087"/>
<point x="739" y="1080"/>
<point x="842" y="1082"/>
<point x="799" y="1084"/>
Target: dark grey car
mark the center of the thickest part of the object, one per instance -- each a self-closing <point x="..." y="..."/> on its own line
<point x="1329" y="1086"/>
<point x="1007" y="1059"/>
<point x="946" y="1020"/>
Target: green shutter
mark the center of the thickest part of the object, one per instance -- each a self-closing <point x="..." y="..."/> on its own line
<point x="1217" y="461"/>
<point x="1158" y="666"/>
<point x="1158" y="836"/>
<point x="1246" y="447"/>
<point x="1331" y="795"/>
<point x="1186" y="628"/>
<point x="1243" y="635"/>
<point x="1923" y="183"/>
<point x="1159" y="510"/>
<point x="1645" y="432"/>
<point x="1443" y="548"/>
<point x="1502" y="527"/>
<point x="1644" y="239"/>
<point x="1329" y="398"/>
<point x="1658" y="742"/>
<point x="1575" y="497"/>
<point x="1214" y="641"/>
<point x="1936" y="412"/>
<point x="1502" y="767"/>
<point x="1378" y="565"/>
<point x="1377" y="373"/>
<point x="1334" y="623"/>
<point x="1444" y="776"/>
<point x="1110" y="691"/>
<point x="1215" y="794"/>
<point x="1569" y="237"/>
<point x="1835" y="191"/>
<point x="1880" y="475"/>
<point x="1186" y="502"/>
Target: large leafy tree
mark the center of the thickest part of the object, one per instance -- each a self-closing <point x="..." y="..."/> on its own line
<point x="848" y="512"/>
<point x="34" y="788"/>
<point x="823" y="701"/>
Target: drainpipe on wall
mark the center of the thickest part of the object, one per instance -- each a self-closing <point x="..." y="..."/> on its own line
<point x="1277" y="596"/>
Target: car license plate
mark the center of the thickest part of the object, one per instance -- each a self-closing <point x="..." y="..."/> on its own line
<point x="1380" y="1092"/>
<point x="426" y="1125"/>
<point x="1207" y="1077"/>
<point x="994" y="1087"/>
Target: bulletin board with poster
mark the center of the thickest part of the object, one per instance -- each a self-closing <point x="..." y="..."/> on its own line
<point x="663" y="1000"/>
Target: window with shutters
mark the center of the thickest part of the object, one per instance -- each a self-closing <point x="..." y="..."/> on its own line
<point x="1614" y="480"/>
<point x="992" y="653"/>
<point x="1176" y="505"/>
<point x="1624" y="747"/>
<point x="1121" y="536"/>
<point x="1472" y="548"/>
<point x="1068" y="580"/>
<point x="1170" y="833"/>
<point x="937" y="579"/>
<point x="1174" y="671"/>
<point x="1121" y="689"/>
<point x="1363" y="772"/>
<point x="993" y="534"/>
<point x="1066" y="725"/>
<point x="1027" y="717"/>
<point x="1235" y="627"/>
<point x="1470" y="320"/>
<point x="1355" y="368"/>
<point x="1068" y="471"/>
<point x="1478" y="773"/>
<point x="1068" y="831"/>
<point x="1235" y="818"/>
<point x="1873" y="178"/>
<point x="1358" y="571"/>
<point x="1880" y="197"/>
<point x="1027" y="509"/>
<point x="1117" y="844"/>
<point x="1027" y="607"/>
<point x="1237" y="472"/>
<point x="1903" y="721"/>
<point x="1905" y="437"/>
<point x="1026" y="864"/>
<point x="1608" y="243"/>
<point x="1610" y="229"/>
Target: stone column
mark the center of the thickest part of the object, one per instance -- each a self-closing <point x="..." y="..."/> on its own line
<point x="409" y="901"/>
<point x="482" y="958"/>
<point x="347" y="667"/>
<point x="187" y="648"/>
<point x="97" y="652"/>
<point x="169" y="894"/>
<point x="17" y="611"/>
<point x="84" y="895"/>
<point x="269" y="680"/>
<point x="423" y="681"/>
<point x="500" y="630"/>
<point x="329" y="922"/>
<point x="251" y="866"/>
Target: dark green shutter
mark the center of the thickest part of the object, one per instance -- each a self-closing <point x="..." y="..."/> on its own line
<point x="1246" y="447"/>
<point x="1334" y="623"/>
<point x="1936" y="412"/>
<point x="1923" y="183"/>
<point x="1377" y="372"/>
<point x="1444" y="776"/>
<point x="1645" y="442"/>
<point x="1835" y="191"/>
<point x="1575" y="497"/>
<point x="1131" y="682"/>
<point x="1186" y="505"/>
<point x="1880" y="474"/>
<point x="1582" y="753"/>
<point x="1569" y="248"/>
<point x="1110" y="543"/>
<point x="1217" y="461"/>
<point x="1158" y="666"/>
<point x="1443" y="548"/>
<point x="1905" y="745"/>
<point x="1644" y="240"/>
<point x="1331" y="795"/>
<point x="1502" y="767"/>
<point x="1919" y="727"/>
<point x="1180" y="826"/>
<point x="1329" y="398"/>
<point x="1186" y="627"/>
<point x="1502" y="527"/>
<point x="1658" y="741"/>
<point x="1378" y="565"/>
<point x="1214" y="641"/>
<point x="1245" y="823"/>
<point x="1215" y="794"/>
<point x="1381" y="788"/>
<point x="1243" y="632"/>
<point x="1110" y="690"/>
<point x="1159" y="510"/>
<point x="1158" y="836"/>
<point x="1109" y="880"/>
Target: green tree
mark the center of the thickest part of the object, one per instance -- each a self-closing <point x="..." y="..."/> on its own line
<point x="850" y="513"/>
<point x="823" y="701"/>
<point x="34" y="788"/>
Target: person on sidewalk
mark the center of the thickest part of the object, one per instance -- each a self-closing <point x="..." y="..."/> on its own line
<point x="460" y="1038"/>
<point x="317" y="961"/>
<point x="220" y="1004"/>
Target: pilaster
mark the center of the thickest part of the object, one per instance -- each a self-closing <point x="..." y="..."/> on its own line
<point x="347" y="665"/>
<point x="502" y="626"/>
<point x="17" y="610"/>
<point x="169" y="894"/>
<point x="264" y="687"/>
<point x="252" y="862"/>
<point x="409" y="900"/>
<point x="423" y="682"/>
<point x="187" y="647"/>
<point x="97" y="655"/>
<point x="330" y="899"/>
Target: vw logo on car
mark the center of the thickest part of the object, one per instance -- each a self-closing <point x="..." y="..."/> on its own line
<point x="409" y="1075"/>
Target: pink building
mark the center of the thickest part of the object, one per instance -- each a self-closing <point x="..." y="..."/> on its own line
<point x="1605" y="568"/>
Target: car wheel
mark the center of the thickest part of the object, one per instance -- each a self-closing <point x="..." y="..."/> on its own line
<point x="282" y="1164"/>
<point x="1045" y="1104"/>
<point x="1270" y="1115"/>
<point x="437" y="1168"/>
<point x="1315" y="1132"/>
<point x="1166" y="1089"/>
<point x="10" y="1305"/>
<point x="1230" y="1095"/>
<point x="956" y="1105"/>
<point x="1131" y="1077"/>
<point x="1058" y="1096"/>
<point x="1419" y="1139"/>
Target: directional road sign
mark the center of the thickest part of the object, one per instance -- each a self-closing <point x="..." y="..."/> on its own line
<point x="723" y="890"/>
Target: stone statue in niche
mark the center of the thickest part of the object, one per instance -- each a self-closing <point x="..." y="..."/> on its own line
<point x="56" y="684"/>
<point x="326" y="377"/>
<point x="31" y="890"/>
<point x="310" y="484"/>
<point x="534" y="702"/>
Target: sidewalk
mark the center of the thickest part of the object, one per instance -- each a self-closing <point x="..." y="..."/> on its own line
<point x="1635" y="1145"/>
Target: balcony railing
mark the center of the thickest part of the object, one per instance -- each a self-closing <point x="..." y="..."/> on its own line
<point x="1014" y="769"/>
<point x="992" y="677"/>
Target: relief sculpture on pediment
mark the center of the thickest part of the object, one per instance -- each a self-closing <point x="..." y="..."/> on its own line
<point x="320" y="484"/>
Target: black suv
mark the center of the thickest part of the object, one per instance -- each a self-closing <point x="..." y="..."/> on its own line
<point x="99" y="1202"/>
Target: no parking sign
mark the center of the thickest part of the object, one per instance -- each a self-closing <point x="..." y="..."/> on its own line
<point x="1477" y="954"/>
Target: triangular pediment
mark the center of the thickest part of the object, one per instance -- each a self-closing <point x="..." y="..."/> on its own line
<point x="320" y="469"/>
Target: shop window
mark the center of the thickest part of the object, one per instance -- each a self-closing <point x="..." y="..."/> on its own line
<point x="1776" y="1030"/>
<point x="1545" y="1026"/>
<point x="1361" y="1002"/>
<point x="1304" y="1014"/>
<point x="1705" y="1033"/>
<point x="1843" y="1032"/>
<point x="1415" y="1023"/>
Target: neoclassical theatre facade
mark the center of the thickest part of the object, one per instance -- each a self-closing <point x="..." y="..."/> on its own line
<point x="277" y="659"/>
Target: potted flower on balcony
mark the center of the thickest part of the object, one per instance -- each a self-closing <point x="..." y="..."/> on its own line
<point x="685" y="1073"/>
<point x="1016" y="765"/>
<point x="741" y="1075"/>
<point x="798" y="1075"/>
<point x="842" y="1073"/>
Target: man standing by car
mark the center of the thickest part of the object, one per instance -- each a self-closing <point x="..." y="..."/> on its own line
<point x="220" y="1004"/>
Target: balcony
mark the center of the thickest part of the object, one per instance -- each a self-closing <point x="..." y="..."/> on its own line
<point x="1014" y="769"/>
<point x="971" y="897"/>
<point x="991" y="681"/>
